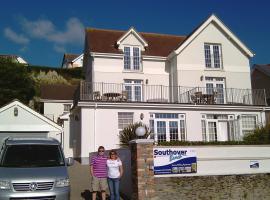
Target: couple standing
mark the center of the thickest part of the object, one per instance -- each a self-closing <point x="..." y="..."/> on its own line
<point x="106" y="170"/>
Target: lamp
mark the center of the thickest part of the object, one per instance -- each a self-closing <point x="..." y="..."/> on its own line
<point x="140" y="131"/>
<point x="15" y="111"/>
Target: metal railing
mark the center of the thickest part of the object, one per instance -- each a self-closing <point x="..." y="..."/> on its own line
<point x="137" y="92"/>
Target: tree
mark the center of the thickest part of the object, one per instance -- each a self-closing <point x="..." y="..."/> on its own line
<point x="15" y="82"/>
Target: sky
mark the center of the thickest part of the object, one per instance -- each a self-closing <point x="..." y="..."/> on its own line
<point x="42" y="31"/>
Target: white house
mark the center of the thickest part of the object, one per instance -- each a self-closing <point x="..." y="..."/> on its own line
<point x="72" y="60"/>
<point x="14" y="58"/>
<point x="18" y="120"/>
<point x="194" y="87"/>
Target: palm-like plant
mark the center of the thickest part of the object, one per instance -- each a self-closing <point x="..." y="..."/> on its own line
<point x="129" y="133"/>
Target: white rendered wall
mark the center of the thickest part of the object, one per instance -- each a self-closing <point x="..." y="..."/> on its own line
<point x="100" y="125"/>
<point x="227" y="160"/>
<point x="191" y="61"/>
<point x="53" y="110"/>
<point x="111" y="70"/>
<point x="68" y="150"/>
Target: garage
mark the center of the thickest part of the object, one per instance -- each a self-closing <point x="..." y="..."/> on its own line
<point x="20" y="121"/>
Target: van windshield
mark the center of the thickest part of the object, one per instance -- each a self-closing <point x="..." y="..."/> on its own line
<point x="32" y="156"/>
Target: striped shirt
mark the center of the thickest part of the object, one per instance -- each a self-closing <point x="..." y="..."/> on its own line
<point x="99" y="164"/>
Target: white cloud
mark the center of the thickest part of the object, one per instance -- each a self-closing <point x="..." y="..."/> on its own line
<point x="45" y="29"/>
<point x="59" y="49"/>
<point x="14" y="37"/>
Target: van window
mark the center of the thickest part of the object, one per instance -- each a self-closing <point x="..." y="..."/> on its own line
<point x="32" y="156"/>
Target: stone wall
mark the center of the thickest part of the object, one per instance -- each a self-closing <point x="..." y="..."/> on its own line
<point x="231" y="187"/>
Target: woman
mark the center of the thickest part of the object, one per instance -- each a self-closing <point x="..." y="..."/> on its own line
<point x="115" y="172"/>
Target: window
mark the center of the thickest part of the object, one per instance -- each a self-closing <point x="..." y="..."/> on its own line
<point x="248" y="123"/>
<point x="67" y="108"/>
<point x="124" y="119"/>
<point x="212" y="53"/>
<point x="168" y="126"/>
<point x="132" y="58"/>
<point x="134" y="90"/>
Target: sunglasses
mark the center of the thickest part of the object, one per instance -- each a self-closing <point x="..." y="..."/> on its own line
<point x="100" y="150"/>
<point x="112" y="154"/>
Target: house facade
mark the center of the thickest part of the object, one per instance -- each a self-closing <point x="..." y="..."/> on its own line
<point x="72" y="61"/>
<point x="191" y="88"/>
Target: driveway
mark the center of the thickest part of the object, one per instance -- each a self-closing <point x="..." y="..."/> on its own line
<point x="80" y="182"/>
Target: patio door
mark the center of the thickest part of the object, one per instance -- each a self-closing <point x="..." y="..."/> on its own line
<point x="167" y="130"/>
<point x="216" y="85"/>
<point x="134" y="90"/>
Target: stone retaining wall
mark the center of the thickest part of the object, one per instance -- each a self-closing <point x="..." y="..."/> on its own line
<point x="233" y="187"/>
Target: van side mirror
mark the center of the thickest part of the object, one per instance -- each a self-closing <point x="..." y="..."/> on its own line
<point x="69" y="161"/>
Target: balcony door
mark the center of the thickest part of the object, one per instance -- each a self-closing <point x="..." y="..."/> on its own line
<point x="216" y="85"/>
<point x="134" y="90"/>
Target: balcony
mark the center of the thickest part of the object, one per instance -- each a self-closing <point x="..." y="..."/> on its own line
<point x="113" y="92"/>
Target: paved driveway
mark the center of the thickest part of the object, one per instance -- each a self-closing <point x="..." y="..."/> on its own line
<point x="80" y="181"/>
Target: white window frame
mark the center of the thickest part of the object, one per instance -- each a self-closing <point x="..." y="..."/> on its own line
<point x="123" y="125"/>
<point x="67" y="106"/>
<point x="182" y="131"/>
<point x="213" y="56"/>
<point x="131" y="59"/>
<point x="248" y="129"/>
<point x="215" y="81"/>
<point x="132" y="84"/>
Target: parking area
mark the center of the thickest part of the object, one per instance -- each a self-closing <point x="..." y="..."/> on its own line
<point x="80" y="181"/>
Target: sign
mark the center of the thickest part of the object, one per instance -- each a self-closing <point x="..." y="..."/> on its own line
<point x="174" y="161"/>
<point x="254" y="164"/>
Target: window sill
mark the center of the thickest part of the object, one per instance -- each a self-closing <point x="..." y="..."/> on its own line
<point x="214" y="69"/>
<point x="133" y="71"/>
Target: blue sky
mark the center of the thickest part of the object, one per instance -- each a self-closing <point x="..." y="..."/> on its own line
<point x="41" y="31"/>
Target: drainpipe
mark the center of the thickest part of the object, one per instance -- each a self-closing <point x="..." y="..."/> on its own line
<point x="95" y="108"/>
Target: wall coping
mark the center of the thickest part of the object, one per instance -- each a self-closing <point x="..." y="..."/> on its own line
<point x="142" y="141"/>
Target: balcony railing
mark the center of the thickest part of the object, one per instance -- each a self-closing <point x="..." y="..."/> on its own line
<point x="137" y="92"/>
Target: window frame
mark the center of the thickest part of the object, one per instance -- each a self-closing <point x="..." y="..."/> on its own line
<point x="123" y="125"/>
<point x="210" y="60"/>
<point x="244" y="129"/>
<point x="131" y="59"/>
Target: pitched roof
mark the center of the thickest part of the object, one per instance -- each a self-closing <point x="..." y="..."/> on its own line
<point x="57" y="92"/>
<point x="69" y="57"/>
<point x="265" y="68"/>
<point x="104" y="41"/>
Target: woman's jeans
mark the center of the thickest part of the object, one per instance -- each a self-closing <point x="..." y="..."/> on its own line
<point x="114" y="188"/>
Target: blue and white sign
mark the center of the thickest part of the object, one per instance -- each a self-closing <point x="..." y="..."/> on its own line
<point x="174" y="161"/>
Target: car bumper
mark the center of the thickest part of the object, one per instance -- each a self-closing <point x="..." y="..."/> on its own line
<point x="55" y="194"/>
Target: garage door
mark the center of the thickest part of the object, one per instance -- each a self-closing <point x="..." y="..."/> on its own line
<point x="23" y="135"/>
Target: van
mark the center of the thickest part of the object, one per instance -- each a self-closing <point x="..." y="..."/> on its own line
<point x="33" y="169"/>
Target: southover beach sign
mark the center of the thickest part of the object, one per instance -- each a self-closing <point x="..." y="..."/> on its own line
<point x="174" y="161"/>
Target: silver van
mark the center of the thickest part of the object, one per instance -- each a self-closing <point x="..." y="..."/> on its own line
<point x="33" y="169"/>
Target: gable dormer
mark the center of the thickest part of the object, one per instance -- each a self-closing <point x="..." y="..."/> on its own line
<point x="132" y="44"/>
<point x="132" y="38"/>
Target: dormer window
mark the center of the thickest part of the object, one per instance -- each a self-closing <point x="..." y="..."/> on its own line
<point x="132" y="59"/>
<point x="213" y="57"/>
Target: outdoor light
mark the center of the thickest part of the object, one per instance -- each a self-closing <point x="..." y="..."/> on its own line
<point x="140" y="131"/>
<point x="15" y="111"/>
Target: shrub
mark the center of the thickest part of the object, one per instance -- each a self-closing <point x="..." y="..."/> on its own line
<point x="261" y="135"/>
<point x="129" y="133"/>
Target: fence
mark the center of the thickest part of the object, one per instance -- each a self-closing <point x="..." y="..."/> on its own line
<point x="137" y="92"/>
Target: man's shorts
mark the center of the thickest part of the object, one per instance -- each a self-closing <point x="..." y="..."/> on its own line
<point x="99" y="184"/>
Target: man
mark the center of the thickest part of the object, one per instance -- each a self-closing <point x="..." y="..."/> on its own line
<point x="98" y="170"/>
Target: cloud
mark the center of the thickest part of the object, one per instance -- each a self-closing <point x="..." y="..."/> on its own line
<point x="14" y="37"/>
<point x="59" y="49"/>
<point x="73" y="34"/>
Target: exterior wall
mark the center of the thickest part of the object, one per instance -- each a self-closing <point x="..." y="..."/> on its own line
<point x="100" y="124"/>
<point x="53" y="110"/>
<point x="111" y="70"/>
<point x="67" y="140"/>
<point x="232" y="187"/>
<point x="132" y="40"/>
<point x="191" y="61"/>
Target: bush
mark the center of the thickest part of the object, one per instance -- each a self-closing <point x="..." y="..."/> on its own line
<point x="261" y="135"/>
<point x="129" y="133"/>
